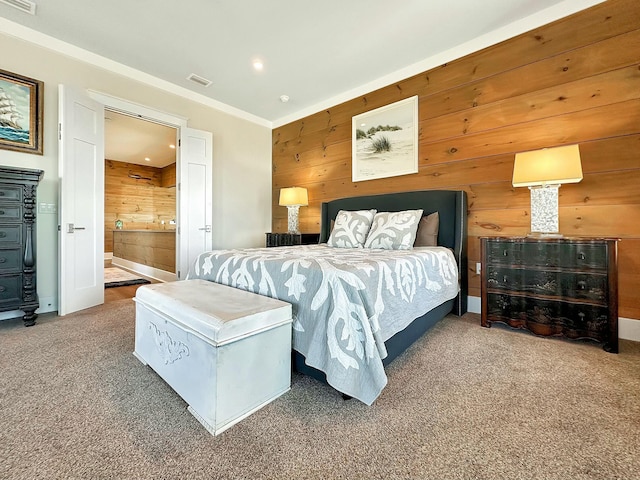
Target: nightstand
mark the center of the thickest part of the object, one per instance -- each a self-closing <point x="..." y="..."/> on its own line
<point x="552" y="286"/>
<point x="286" y="239"/>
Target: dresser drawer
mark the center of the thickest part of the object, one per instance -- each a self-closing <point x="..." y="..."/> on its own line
<point x="581" y="286"/>
<point x="10" y="193"/>
<point x="10" y="289"/>
<point x="10" y="213"/>
<point x="11" y="261"/>
<point x="562" y="255"/>
<point x="10" y="234"/>
<point x="549" y="317"/>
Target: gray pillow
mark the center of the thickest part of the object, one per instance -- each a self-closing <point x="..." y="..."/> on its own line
<point x="427" y="235"/>
<point x="351" y="228"/>
<point x="394" y="230"/>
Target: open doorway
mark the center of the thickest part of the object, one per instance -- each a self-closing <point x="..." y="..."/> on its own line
<point x="81" y="189"/>
<point x="140" y="204"/>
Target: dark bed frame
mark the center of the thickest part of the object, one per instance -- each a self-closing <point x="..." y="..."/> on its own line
<point x="451" y="206"/>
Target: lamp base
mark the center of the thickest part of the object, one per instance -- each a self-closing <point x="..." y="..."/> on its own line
<point x="292" y="219"/>
<point x="544" y="210"/>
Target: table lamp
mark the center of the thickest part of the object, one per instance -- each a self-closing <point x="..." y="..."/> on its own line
<point x="293" y="198"/>
<point x="543" y="171"/>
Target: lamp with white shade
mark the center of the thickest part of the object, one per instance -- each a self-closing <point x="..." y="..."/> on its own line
<point x="293" y="198"/>
<point x="543" y="171"/>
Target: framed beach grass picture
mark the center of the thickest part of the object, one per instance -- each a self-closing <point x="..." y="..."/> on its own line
<point x="21" y="110"/>
<point x="385" y="141"/>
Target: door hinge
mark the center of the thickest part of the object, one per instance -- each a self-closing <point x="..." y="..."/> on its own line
<point x="59" y="131"/>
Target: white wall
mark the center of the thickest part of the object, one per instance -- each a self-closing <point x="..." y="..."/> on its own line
<point x="241" y="153"/>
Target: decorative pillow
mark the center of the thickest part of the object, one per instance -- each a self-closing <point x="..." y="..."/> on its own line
<point x="427" y="235"/>
<point x="351" y="228"/>
<point x="394" y="230"/>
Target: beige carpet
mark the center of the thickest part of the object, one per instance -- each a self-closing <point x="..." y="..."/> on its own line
<point x="463" y="403"/>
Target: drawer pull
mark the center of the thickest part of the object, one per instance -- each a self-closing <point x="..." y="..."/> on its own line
<point x="581" y="256"/>
<point x="505" y="253"/>
<point x="3" y="260"/>
<point x="1" y="212"/>
<point x="2" y="289"/>
<point x="582" y="285"/>
<point x="1" y="194"/>
<point x="504" y="279"/>
<point x="3" y="234"/>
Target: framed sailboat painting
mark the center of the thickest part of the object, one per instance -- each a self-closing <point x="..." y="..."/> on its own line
<point x="21" y="110"/>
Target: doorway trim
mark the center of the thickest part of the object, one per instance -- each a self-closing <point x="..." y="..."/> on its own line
<point x="143" y="112"/>
<point x="127" y="107"/>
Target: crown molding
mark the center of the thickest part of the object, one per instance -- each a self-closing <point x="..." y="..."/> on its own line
<point x="45" y="41"/>
<point x="543" y="17"/>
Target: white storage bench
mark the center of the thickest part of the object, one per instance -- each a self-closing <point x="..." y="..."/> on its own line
<point x="225" y="351"/>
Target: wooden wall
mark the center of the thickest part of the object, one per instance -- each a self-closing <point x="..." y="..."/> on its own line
<point x="154" y="248"/>
<point x="140" y="203"/>
<point x="576" y="80"/>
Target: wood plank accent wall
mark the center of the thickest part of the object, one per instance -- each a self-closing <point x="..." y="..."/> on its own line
<point x="141" y="204"/>
<point x="168" y="176"/>
<point x="576" y="80"/>
<point x="154" y="248"/>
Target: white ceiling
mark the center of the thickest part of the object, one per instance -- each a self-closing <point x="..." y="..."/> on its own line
<point x="319" y="53"/>
<point x="129" y="139"/>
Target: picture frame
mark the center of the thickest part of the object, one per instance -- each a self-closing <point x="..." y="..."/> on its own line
<point x="385" y="141"/>
<point x="21" y="113"/>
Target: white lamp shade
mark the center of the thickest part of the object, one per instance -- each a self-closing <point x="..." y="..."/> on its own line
<point x="293" y="196"/>
<point x="549" y="166"/>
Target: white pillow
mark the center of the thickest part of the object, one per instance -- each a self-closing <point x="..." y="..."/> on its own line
<point x="394" y="230"/>
<point x="350" y="228"/>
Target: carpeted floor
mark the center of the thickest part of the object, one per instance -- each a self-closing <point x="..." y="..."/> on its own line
<point x="463" y="403"/>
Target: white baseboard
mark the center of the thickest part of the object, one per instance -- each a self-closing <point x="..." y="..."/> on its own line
<point x="474" y="305"/>
<point x="628" y="328"/>
<point x="11" y="314"/>
<point x="47" y="304"/>
<point x="108" y="256"/>
<point x="146" y="270"/>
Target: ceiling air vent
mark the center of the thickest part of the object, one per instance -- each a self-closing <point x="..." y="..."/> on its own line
<point x="24" y="5"/>
<point x="196" y="79"/>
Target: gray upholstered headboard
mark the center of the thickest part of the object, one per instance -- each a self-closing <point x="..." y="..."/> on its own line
<point x="451" y="206"/>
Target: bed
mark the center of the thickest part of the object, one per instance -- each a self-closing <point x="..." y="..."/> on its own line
<point x="357" y="309"/>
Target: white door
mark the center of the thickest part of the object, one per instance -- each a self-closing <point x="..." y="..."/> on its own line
<point x="195" y="184"/>
<point x="81" y="203"/>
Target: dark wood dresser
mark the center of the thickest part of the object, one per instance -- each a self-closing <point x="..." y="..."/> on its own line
<point x="552" y="286"/>
<point x="18" y="241"/>
<point x="285" y="239"/>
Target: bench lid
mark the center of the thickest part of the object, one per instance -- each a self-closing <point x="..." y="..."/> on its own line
<point x="220" y="313"/>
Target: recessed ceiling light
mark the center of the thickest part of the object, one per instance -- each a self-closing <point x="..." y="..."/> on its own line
<point x="172" y="146"/>
<point x="147" y="159"/>
<point x="284" y="98"/>
<point x="258" y="65"/>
